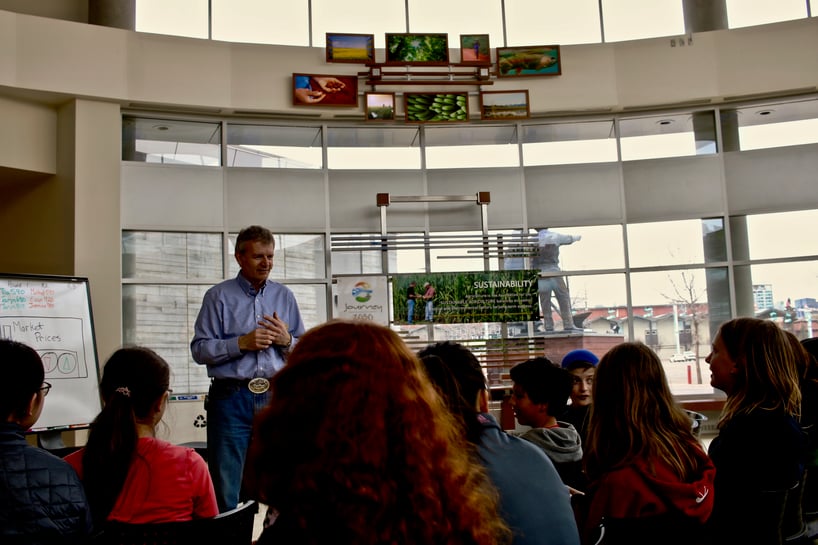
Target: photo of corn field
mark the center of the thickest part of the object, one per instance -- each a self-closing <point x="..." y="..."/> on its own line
<point x="469" y="297"/>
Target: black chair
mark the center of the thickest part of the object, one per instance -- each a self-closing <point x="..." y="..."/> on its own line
<point x="793" y="525"/>
<point x="234" y="527"/>
<point x="698" y="419"/>
<point x="665" y="529"/>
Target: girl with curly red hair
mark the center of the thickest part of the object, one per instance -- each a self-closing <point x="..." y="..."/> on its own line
<point x="357" y="448"/>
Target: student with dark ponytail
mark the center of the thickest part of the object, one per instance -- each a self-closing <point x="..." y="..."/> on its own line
<point x="129" y="475"/>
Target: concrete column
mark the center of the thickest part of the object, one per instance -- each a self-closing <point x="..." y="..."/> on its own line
<point x="704" y="15"/>
<point x="704" y="131"/>
<point x="113" y="13"/>
<point x="89" y="156"/>
<point x="743" y="278"/>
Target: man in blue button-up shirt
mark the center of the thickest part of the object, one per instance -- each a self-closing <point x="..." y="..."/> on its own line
<point x="244" y="330"/>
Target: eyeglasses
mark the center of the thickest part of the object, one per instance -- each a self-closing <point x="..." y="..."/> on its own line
<point x="45" y="388"/>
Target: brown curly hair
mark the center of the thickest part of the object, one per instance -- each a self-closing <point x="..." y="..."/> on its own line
<point x="357" y="448"/>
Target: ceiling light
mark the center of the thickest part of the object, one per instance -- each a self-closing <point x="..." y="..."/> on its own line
<point x="765" y="112"/>
<point x="161" y="127"/>
<point x="665" y="122"/>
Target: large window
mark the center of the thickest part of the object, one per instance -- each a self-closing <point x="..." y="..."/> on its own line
<point x="267" y="146"/>
<point x="165" y="275"/>
<point x="261" y="22"/>
<point x="668" y="278"/>
<point x="569" y="143"/>
<point x="770" y="126"/>
<point x="526" y="21"/>
<point x="171" y="141"/>
<point x="478" y="147"/>
<point x="635" y="19"/>
<point x="669" y="135"/>
<point x="563" y="21"/>
<point x="373" y="148"/>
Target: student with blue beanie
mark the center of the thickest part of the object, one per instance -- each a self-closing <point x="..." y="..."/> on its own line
<point x="581" y="364"/>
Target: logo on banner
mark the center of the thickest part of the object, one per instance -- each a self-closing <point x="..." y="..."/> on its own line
<point x="362" y="292"/>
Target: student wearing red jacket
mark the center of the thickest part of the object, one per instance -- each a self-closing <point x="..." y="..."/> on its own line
<point x="651" y="481"/>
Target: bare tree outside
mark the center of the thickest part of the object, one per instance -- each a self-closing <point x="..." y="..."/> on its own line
<point x="689" y="299"/>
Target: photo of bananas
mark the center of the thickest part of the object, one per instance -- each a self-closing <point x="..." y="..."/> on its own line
<point x="437" y="107"/>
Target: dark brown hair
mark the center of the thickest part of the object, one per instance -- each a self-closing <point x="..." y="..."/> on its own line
<point x="133" y="380"/>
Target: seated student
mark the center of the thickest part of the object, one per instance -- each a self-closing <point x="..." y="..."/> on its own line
<point x="581" y="364"/>
<point x="356" y="448"/>
<point x="129" y="475"/>
<point x="759" y="451"/>
<point x="650" y="479"/>
<point x="535" y="502"/>
<point x="41" y="497"/>
<point x="539" y="395"/>
<point x="809" y="423"/>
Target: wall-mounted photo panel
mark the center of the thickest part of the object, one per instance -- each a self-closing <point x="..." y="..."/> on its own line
<point x="380" y="106"/>
<point x="504" y="105"/>
<point x="475" y="49"/>
<point x="534" y="60"/>
<point x="324" y="90"/>
<point x="353" y="48"/>
<point x="417" y="49"/>
<point x="436" y="107"/>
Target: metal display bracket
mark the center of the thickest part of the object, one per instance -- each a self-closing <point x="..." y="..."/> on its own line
<point x="481" y="198"/>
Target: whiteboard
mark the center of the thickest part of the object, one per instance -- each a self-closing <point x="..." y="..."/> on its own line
<point x="52" y="314"/>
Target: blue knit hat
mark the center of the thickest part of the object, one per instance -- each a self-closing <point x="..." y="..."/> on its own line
<point x="579" y="356"/>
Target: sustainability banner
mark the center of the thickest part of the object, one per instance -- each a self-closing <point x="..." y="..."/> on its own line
<point x="466" y="297"/>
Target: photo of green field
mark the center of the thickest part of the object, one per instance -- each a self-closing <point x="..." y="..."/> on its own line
<point x="356" y="48"/>
<point x="471" y="297"/>
<point x="437" y="107"/>
<point x="504" y="105"/>
<point x="380" y="106"/>
<point x="417" y="49"/>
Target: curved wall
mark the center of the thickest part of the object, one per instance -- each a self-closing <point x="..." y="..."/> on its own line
<point x="136" y="69"/>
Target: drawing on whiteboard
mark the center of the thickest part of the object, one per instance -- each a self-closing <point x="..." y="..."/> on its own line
<point x="52" y="315"/>
<point x="45" y="335"/>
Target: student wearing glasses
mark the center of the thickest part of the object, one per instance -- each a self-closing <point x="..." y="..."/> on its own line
<point x="41" y="497"/>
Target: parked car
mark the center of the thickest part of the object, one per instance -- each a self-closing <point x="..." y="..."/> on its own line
<point x="683" y="357"/>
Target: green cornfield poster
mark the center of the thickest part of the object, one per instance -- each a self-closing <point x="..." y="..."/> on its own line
<point x="467" y="297"/>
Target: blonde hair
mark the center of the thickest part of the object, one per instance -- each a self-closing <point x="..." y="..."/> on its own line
<point x="634" y="415"/>
<point x="768" y="371"/>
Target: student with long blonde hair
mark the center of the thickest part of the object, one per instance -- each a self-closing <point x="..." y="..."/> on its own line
<point x="759" y="452"/>
<point x="651" y="481"/>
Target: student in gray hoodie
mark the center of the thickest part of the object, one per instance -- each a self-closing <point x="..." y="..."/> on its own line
<point x="540" y="394"/>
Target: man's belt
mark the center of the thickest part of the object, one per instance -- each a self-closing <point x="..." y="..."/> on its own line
<point x="257" y="385"/>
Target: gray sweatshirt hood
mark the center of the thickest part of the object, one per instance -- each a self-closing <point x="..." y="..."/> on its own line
<point x="562" y="444"/>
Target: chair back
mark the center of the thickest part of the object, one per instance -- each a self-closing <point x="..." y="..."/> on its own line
<point x="793" y="525"/>
<point x="234" y="527"/>
<point x="697" y="420"/>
